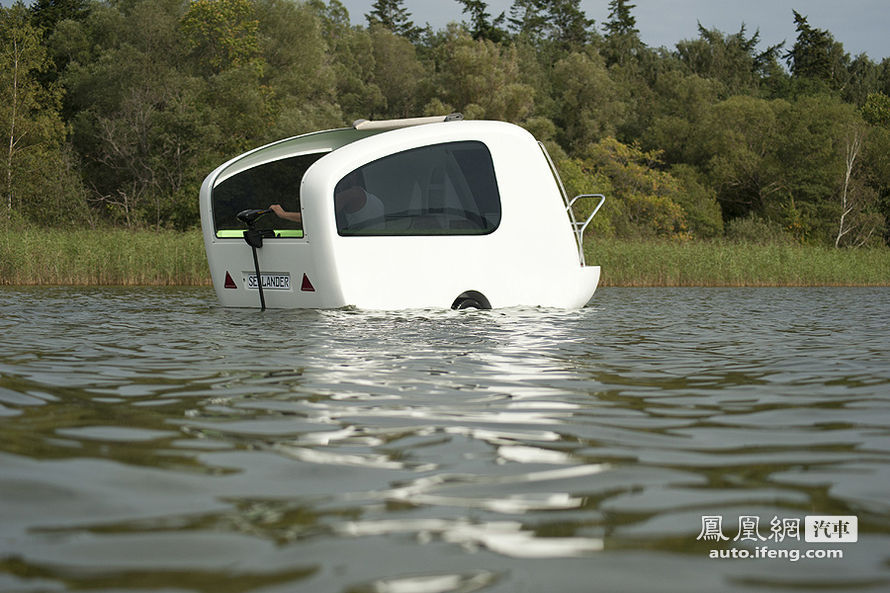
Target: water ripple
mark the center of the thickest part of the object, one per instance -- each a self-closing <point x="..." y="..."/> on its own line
<point x="153" y="440"/>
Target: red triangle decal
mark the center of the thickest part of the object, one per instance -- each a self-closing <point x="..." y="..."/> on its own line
<point x="230" y="282"/>
<point x="307" y="286"/>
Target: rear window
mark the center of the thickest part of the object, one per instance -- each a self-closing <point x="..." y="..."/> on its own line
<point x="258" y="188"/>
<point x="444" y="189"/>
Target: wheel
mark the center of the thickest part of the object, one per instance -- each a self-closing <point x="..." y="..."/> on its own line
<point x="471" y="299"/>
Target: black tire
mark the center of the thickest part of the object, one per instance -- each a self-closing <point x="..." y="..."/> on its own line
<point x="471" y="299"/>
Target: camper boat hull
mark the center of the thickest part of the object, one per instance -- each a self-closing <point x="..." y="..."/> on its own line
<point x="470" y="213"/>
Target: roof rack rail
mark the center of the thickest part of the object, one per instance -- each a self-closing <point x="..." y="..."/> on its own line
<point x="392" y="124"/>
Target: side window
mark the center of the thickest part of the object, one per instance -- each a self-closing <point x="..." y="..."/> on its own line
<point x="259" y="187"/>
<point x="445" y="189"/>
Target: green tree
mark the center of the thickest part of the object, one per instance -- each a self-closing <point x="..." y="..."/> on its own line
<point x="354" y="64"/>
<point x="527" y="20"/>
<point x="633" y="68"/>
<point x="147" y="125"/>
<point x="586" y="107"/>
<point x="876" y="154"/>
<point x="817" y="57"/>
<point x="333" y="16"/>
<point x="158" y="92"/>
<point x="481" y="79"/>
<point x="732" y="60"/>
<point x="222" y="33"/>
<point x="864" y="79"/>
<point x="36" y="172"/>
<point x="350" y="56"/>
<point x="299" y="77"/>
<point x="46" y="14"/>
<point x="699" y="202"/>
<point x="680" y="102"/>
<point x="812" y="149"/>
<point x="876" y="110"/>
<point x="392" y="15"/>
<point x="738" y="142"/>
<point x="224" y="53"/>
<point x="622" y="38"/>
<point x="559" y="23"/>
<point x="482" y="26"/>
<point x="644" y="198"/>
<point x="569" y="26"/>
<point x="397" y="73"/>
<point x="798" y="164"/>
<point x="884" y="76"/>
<point x="620" y="22"/>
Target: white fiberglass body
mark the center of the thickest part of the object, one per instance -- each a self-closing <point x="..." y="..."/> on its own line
<point x="456" y="211"/>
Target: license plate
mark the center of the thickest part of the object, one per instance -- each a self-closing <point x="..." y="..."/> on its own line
<point x="270" y="281"/>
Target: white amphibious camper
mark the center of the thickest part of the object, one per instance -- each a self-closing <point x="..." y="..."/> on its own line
<point x="413" y="213"/>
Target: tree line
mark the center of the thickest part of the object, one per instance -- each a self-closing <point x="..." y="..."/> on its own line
<point x="113" y="111"/>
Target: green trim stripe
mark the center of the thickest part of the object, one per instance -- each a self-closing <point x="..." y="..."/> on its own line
<point x="279" y="234"/>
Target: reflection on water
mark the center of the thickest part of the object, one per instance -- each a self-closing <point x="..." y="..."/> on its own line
<point x="152" y="440"/>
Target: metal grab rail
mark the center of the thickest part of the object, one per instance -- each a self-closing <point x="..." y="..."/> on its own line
<point x="579" y="227"/>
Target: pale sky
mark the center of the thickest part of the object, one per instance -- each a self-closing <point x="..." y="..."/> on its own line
<point x="863" y="26"/>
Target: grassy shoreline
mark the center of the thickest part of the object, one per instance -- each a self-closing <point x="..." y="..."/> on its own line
<point x="113" y="257"/>
<point x="661" y="263"/>
<point x="146" y="258"/>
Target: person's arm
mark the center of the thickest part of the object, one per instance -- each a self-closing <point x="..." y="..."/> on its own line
<point x="286" y="215"/>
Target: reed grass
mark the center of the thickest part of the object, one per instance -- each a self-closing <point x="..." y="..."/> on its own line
<point x="102" y="257"/>
<point x="127" y="258"/>
<point x="663" y="263"/>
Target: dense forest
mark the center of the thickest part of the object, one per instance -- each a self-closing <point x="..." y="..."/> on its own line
<point x="113" y="111"/>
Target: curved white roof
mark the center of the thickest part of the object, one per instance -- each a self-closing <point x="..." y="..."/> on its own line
<point x="320" y="141"/>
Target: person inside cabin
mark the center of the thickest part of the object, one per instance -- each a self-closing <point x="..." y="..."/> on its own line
<point x="355" y="207"/>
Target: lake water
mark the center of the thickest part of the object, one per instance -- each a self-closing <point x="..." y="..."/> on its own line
<point x="151" y="440"/>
